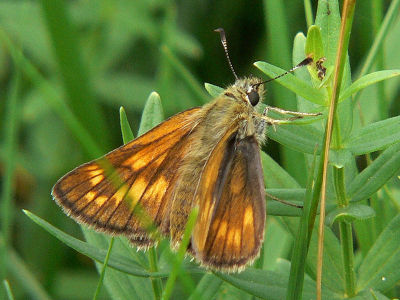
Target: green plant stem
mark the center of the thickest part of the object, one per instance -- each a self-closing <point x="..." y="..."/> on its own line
<point x="346" y="239"/>
<point x="73" y="70"/>
<point x="181" y="254"/>
<point x="377" y="12"/>
<point x="344" y="37"/>
<point x="8" y="290"/>
<point x="302" y="242"/>
<point x="308" y="13"/>
<point x="103" y="270"/>
<point x="155" y="282"/>
<point x="346" y="236"/>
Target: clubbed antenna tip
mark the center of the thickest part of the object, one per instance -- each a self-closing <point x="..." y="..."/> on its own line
<point x="225" y="45"/>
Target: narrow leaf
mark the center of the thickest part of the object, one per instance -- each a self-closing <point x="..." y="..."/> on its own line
<point x="118" y="262"/>
<point x="366" y="81"/>
<point x="127" y="134"/>
<point x="380" y="268"/>
<point x="302" y="138"/>
<point x="376" y="174"/>
<point x="152" y="113"/>
<point x="207" y="288"/>
<point x="7" y="287"/>
<point x="213" y="90"/>
<point x="274" y="175"/>
<point x="351" y="213"/>
<point x="269" y="285"/>
<point x="375" y="136"/>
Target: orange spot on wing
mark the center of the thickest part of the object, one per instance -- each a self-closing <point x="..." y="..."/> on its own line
<point x="99" y="201"/>
<point x="95" y="172"/>
<point x="96" y="180"/>
<point x="248" y="218"/>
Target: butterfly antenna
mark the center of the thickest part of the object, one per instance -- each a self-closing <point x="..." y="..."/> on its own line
<point x="225" y="45"/>
<point x="303" y="63"/>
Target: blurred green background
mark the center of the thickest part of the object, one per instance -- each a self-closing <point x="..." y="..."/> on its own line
<point x="100" y="55"/>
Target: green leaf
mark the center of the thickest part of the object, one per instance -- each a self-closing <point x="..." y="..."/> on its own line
<point x="207" y="288"/>
<point x="369" y="294"/>
<point x="127" y="134"/>
<point x="118" y="262"/>
<point x="367" y="80"/>
<point x="372" y="178"/>
<point x="7" y="287"/>
<point x="351" y="213"/>
<point x="380" y="268"/>
<point x="295" y="196"/>
<point x="213" y="90"/>
<point x="375" y="136"/>
<point x="274" y="175"/>
<point x="296" y="85"/>
<point x="275" y="208"/>
<point x="119" y="285"/>
<point x="277" y="244"/>
<point x="340" y="158"/>
<point x="328" y="19"/>
<point x="304" y="138"/>
<point x="314" y="42"/>
<point x="152" y="113"/>
<point x="315" y="49"/>
<point x="270" y="285"/>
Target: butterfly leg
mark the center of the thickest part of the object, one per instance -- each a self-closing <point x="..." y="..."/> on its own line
<point x="288" y="112"/>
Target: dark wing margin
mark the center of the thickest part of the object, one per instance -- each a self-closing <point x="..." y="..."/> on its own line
<point x="230" y="227"/>
<point x="141" y="175"/>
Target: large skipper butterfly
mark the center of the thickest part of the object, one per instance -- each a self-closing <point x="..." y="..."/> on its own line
<point x="207" y="157"/>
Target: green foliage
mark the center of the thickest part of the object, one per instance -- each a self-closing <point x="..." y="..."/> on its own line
<point x="67" y="67"/>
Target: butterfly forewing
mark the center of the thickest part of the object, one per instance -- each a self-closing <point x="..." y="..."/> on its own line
<point x="106" y="193"/>
<point x="230" y="226"/>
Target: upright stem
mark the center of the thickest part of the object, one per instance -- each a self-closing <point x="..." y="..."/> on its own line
<point x="344" y="37"/>
<point x="346" y="236"/>
<point x="155" y="282"/>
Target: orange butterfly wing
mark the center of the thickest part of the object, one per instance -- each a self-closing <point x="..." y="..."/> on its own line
<point x="230" y="225"/>
<point x="142" y="175"/>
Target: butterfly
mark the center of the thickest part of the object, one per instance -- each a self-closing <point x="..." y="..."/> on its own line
<point x="206" y="157"/>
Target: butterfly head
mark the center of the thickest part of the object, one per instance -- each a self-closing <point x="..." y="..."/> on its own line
<point x="248" y="90"/>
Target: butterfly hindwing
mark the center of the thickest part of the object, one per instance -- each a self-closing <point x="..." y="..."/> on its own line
<point x="230" y="226"/>
<point x="106" y="193"/>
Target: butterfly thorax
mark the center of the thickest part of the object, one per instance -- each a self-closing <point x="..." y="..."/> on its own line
<point x="248" y="94"/>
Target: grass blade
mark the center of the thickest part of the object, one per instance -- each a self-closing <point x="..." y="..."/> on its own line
<point x="10" y="149"/>
<point x="72" y="68"/>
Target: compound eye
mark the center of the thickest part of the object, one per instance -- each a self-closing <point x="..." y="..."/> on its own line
<point x="253" y="97"/>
